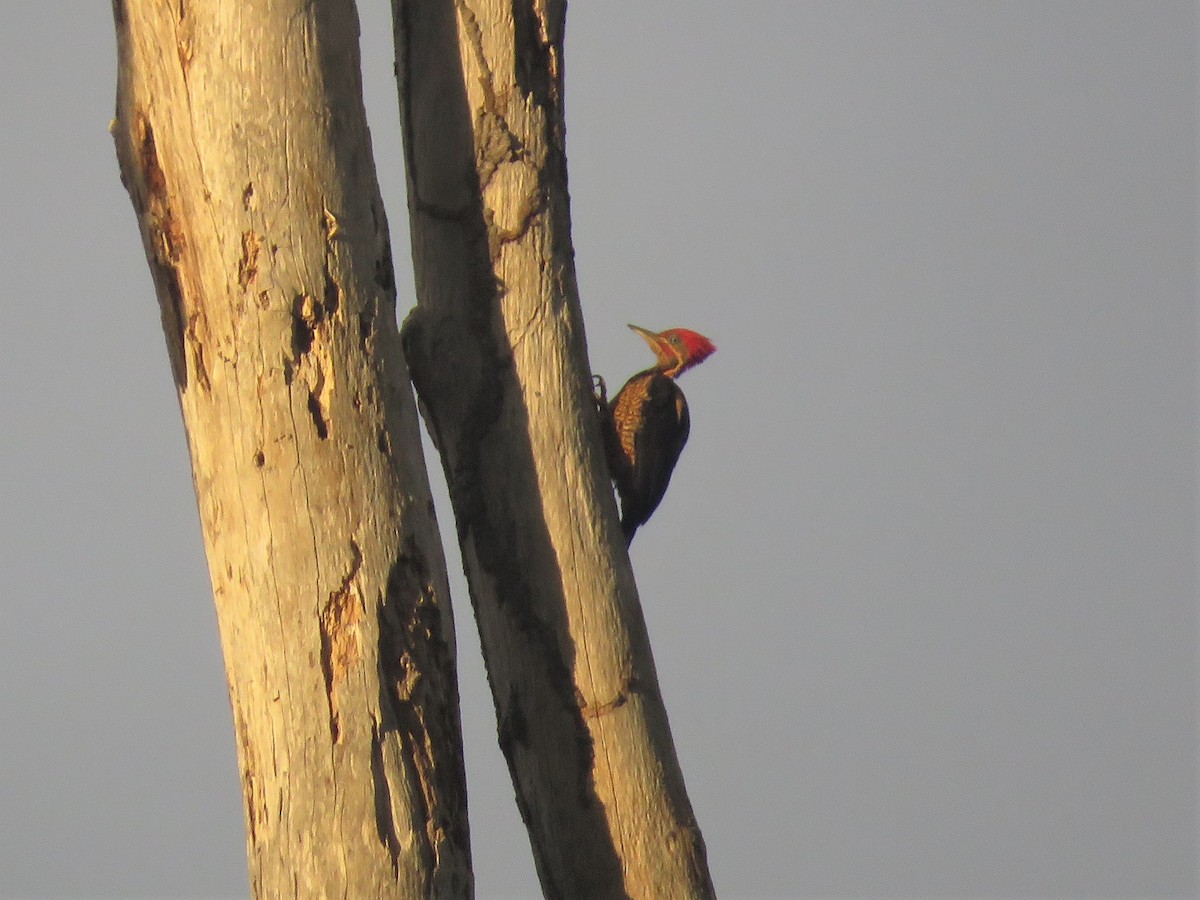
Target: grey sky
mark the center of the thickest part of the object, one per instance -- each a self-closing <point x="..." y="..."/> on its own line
<point x="923" y="592"/>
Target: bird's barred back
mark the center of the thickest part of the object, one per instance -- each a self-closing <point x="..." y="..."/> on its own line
<point x="627" y="413"/>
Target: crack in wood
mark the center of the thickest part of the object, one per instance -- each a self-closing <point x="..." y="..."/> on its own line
<point x="248" y="263"/>
<point x="340" y="649"/>
<point x="385" y="819"/>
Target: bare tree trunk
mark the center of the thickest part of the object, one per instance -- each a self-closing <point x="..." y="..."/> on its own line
<point x="242" y="140"/>
<point x="497" y="353"/>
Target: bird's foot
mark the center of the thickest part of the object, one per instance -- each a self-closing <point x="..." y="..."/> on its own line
<point x="600" y="390"/>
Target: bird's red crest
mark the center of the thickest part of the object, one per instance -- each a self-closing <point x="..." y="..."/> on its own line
<point x="677" y="349"/>
<point x="699" y="348"/>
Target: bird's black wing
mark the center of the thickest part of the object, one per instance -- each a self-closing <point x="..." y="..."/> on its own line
<point x="661" y="434"/>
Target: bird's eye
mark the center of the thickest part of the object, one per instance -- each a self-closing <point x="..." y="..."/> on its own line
<point x="676" y="340"/>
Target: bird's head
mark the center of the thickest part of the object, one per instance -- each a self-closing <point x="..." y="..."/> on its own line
<point x="677" y="349"/>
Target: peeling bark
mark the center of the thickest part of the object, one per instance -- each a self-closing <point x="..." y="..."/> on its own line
<point x="497" y="354"/>
<point x="243" y="144"/>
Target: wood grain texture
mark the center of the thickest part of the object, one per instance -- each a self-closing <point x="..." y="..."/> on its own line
<point x="242" y="141"/>
<point x="497" y="351"/>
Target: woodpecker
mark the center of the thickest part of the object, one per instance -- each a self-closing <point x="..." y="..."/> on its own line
<point x="647" y="423"/>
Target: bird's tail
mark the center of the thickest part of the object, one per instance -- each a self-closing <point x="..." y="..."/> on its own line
<point x="628" y="527"/>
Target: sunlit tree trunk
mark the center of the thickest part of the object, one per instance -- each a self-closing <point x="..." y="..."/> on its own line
<point x="497" y="353"/>
<point x="242" y="141"/>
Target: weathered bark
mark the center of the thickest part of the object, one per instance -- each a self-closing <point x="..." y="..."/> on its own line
<point x="243" y="143"/>
<point x="496" y="349"/>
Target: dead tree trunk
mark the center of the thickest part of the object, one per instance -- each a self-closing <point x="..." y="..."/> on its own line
<point x="496" y="348"/>
<point x="242" y="141"/>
